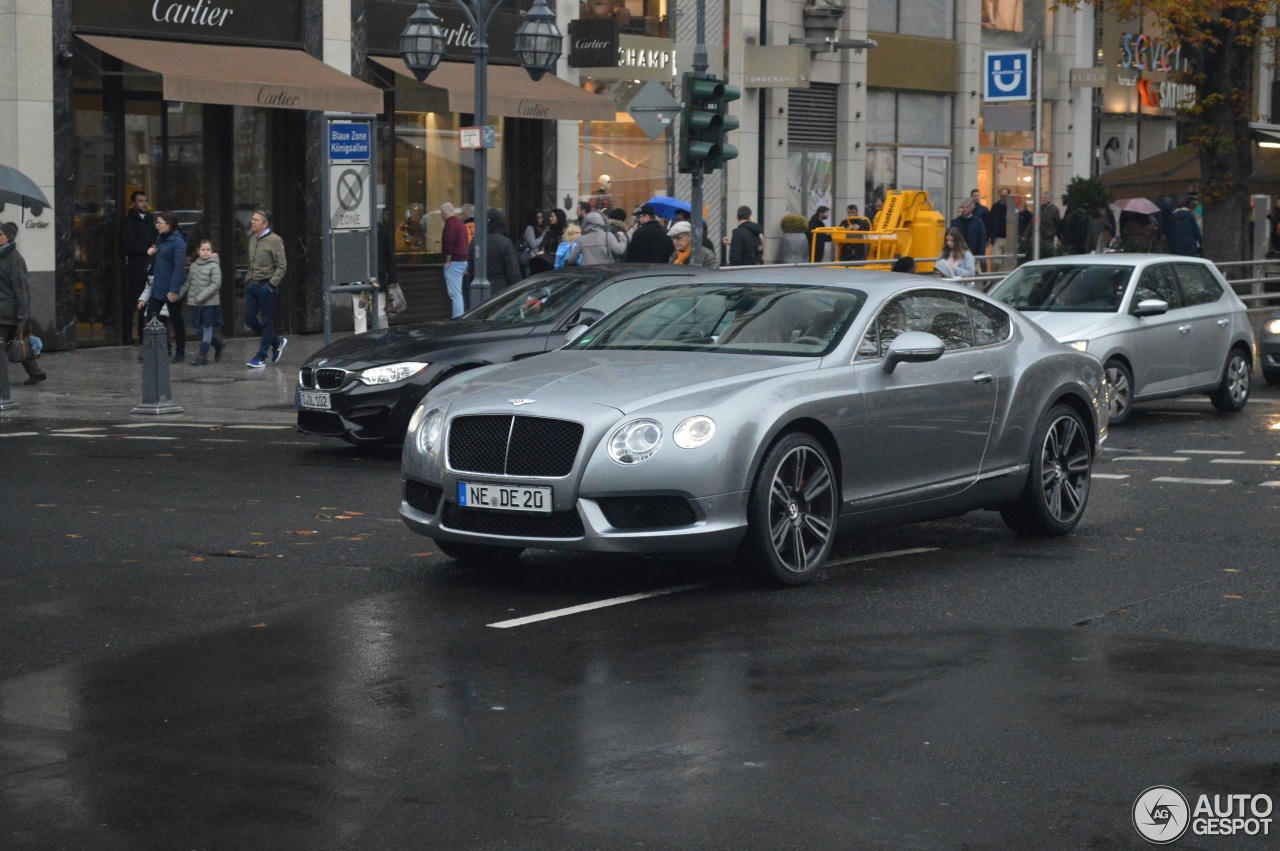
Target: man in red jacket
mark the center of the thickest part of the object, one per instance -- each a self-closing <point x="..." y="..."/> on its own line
<point x="453" y="244"/>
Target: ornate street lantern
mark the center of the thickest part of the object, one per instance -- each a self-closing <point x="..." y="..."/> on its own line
<point x="538" y="40"/>
<point x="422" y="42"/>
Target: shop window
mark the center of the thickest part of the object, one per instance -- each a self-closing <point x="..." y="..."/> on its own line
<point x="1002" y="15"/>
<point x="634" y="17"/>
<point x="897" y="120"/>
<point x="252" y="182"/>
<point x="928" y="18"/>
<point x="429" y="169"/>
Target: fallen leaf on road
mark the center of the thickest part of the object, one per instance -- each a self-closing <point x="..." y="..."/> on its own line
<point x="420" y="555"/>
<point x="197" y="558"/>
<point x="1232" y="597"/>
<point x="259" y="543"/>
<point x="73" y="535"/>
<point x="304" y="532"/>
<point x="356" y="538"/>
<point x="1230" y="570"/>
<point x="354" y="513"/>
<point x="46" y="505"/>
<point x="258" y="626"/>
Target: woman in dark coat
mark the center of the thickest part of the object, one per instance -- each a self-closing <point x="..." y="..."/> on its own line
<point x="546" y="258"/>
<point x="169" y="278"/>
<point x="504" y="266"/>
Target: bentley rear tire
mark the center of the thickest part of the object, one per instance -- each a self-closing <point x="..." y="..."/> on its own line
<point x="1058" y="483"/>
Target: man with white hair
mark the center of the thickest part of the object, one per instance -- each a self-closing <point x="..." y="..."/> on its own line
<point x="453" y="245"/>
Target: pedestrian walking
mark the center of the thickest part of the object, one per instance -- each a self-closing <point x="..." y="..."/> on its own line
<point x="503" y="267"/>
<point x="597" y="245"/>
<point x="137" y="234"/>
<point x="650" y="243"/>
<point x="979" y="209"/>
<point x="453" y="245"/>
<point x="1050" y="222"/>
<point x="204" y="293"/>
<point x="818" y="241"/>
<point x="681" y="234"/>
<point x="746" y="243"/>
<point x="971" y="228"/>
<point x="169" y="279"/>
<point x="997" y="224"/>
<point x="15" y="300"/>
<point x="267" y="266"/>
<point x="1183" y="236"/>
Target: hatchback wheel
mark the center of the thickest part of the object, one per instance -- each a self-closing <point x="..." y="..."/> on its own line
<point x="1233" y="392"/>
<point x="1120" y="382"/>
<point x="1058" y="485"/>
<point x="792" y="512"/>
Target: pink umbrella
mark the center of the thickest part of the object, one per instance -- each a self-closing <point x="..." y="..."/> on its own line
<point x="1137" y="205"/>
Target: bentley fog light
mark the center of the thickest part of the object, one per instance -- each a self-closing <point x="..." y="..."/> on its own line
<point x="635" y="441"/>
<point x="694" y="432"/>
<point x="428" y="436"/>
<point x="391" y="373"/>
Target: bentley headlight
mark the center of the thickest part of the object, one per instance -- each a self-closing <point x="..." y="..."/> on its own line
<point x="694" y="432"/>
<point x="1273" y="327"/>
<point x="635" y="441"/>
<point x="1079" y="345"/>
<point x="428" y="435"/>
<point x="391" y="373"/>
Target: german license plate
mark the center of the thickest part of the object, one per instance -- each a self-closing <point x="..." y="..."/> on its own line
<point x="313" y="400"/>
<point x="504" y="497"/>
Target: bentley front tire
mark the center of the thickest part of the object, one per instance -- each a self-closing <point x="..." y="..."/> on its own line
<point x="792" y="512"/>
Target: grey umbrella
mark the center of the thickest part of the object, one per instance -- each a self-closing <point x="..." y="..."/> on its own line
<point x="17" y="188"/>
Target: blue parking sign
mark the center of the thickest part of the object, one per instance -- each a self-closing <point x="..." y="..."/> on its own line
<point x="1006" y="75"/>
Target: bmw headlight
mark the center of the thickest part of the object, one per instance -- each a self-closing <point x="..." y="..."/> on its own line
<point x="635" y="441"/>
<point x="428" y="434"/>
<point x="694" y="432"/>
<point x="1273" y="327"/>
<point x="391" y="373"/>
<point x="1079" y="345"/>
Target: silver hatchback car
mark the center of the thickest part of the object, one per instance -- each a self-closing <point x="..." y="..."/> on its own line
<point x="1163" y="325"/>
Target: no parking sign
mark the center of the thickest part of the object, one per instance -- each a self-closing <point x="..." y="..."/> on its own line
<point x="1006" y="75"/>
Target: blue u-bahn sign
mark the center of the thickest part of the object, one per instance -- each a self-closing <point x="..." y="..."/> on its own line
<point x="1006" y="75"/>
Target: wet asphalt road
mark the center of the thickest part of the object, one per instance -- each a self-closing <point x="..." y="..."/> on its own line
<point x="225" y="639"/>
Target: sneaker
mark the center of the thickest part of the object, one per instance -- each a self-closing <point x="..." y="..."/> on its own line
<point x="279" y="349"/>
<point x="256" y="363"/>
<point x="199" y="360"/>
<point x="35" y="379"/>
<point x="218" y="346"/>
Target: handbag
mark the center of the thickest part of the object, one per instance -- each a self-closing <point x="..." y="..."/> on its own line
<point x="18" y="349"/>
<point x="395" y="300"/>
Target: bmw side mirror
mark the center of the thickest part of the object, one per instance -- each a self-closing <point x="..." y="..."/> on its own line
<point x="912" y="347"/>
<point x="587" y="316"/>
<point x="1151" y="307"/>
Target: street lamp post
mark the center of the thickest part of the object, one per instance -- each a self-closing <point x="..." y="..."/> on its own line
<point x="537" y="43"/>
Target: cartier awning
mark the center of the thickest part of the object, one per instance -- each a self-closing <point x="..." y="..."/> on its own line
<point x="511" y="93"/>
<point x="244" y="76"/>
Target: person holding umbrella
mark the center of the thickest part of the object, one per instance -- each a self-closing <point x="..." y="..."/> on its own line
<point x="15" y="298"/>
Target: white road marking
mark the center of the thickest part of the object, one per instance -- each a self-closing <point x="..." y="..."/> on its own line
<point x="1243" y="461"/>
<point x="74" y="430"/>
<point x="1110" y="475"/>
<point x="167" y="425"/>
<point x="1269" y="485"/>
<point x="1192" y="481"/>
<point x="260" y="427"/>
<point x="889" y="554"/>
<point x="144" y="437"/>
<point x="599" y="604"/>
<point x="1210" y="451"/>
<point x="21" y="434"/>
<point x="1148" y="458"/>
<point x="74" y="434"/>
<point x="222" y="440"/>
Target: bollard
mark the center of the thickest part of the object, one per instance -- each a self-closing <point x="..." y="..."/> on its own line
<point x="155" y="371"/>
<point x="6" y="404"/>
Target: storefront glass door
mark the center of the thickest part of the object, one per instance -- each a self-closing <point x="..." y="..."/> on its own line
<point x="927" y="169"/>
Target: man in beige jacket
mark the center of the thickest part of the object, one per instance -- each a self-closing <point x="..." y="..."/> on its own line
<point x="262" y="287"/>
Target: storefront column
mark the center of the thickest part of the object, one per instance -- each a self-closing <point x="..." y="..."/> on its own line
<point x="850" y="182"/>
<point x="742" y="176"/>
<point x="967" y="108"/>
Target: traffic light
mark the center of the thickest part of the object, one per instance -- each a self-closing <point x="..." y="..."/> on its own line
<point x="704" y="123"/>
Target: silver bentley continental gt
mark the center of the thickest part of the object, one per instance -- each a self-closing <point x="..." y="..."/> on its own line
<point x="758" y="412"/>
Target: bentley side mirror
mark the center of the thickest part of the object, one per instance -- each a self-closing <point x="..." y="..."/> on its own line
<point x="574" y="333"/>
<point x="1151" y="307"/>
<point x="912" y="347"/>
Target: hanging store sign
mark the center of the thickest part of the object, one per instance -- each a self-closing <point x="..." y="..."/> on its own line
<point x="593" y="44"/>
<point x="224" y="21"/>
<point x="640" y="58"/>
<point x="1088" y="78"/>
<point x="784" y="66"/>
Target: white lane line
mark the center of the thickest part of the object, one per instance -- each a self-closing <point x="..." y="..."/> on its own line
<point x="145" y="437"/>
<point x="224" y="440"/>
<point x="1148" y="458"/>
<point x="889" y="554"/>
<point x="1269" y="485"/>
<point x="21" y="434"/>
<point x="1243" y="461"/>
<point x="90" y="436"/>
<point x="75" y="430"/>
<point x="1210" y="451"/>
<point x="599" y="604"/>
<point x="1192" y="481"/>
<point x="259" y="427"/>
<point x="167" y="425"/>
<point x="1111" y="475"/>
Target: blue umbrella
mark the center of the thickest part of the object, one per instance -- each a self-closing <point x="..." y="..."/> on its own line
<point x="666" y="207"/>
<point x="17" y="188"/>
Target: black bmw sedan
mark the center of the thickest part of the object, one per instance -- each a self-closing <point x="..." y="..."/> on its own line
<point x="363" y="389"/>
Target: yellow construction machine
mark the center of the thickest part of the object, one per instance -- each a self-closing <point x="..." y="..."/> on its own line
<point x="906" y="226"/>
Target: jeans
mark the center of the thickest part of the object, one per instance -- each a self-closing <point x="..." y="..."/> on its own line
<point x="453" y="272"/>
<point x="260" y="315"/>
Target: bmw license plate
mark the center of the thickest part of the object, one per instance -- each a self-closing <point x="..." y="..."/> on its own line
<point x="504" y="497"/>
<point x="313" y="400"/>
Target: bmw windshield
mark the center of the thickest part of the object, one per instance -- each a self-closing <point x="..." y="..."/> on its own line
<point x="537" y="299"/>
<point x="773" y="320"/>
<point x="1065" y="288"/>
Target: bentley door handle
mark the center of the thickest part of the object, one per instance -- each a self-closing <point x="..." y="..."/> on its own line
<point x="1224" y="322"/>
<point x="983" y="378"/>
<point x="1182" y="329"/>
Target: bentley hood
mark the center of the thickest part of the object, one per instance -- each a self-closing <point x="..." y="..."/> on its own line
<point x="627" y="381"/>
